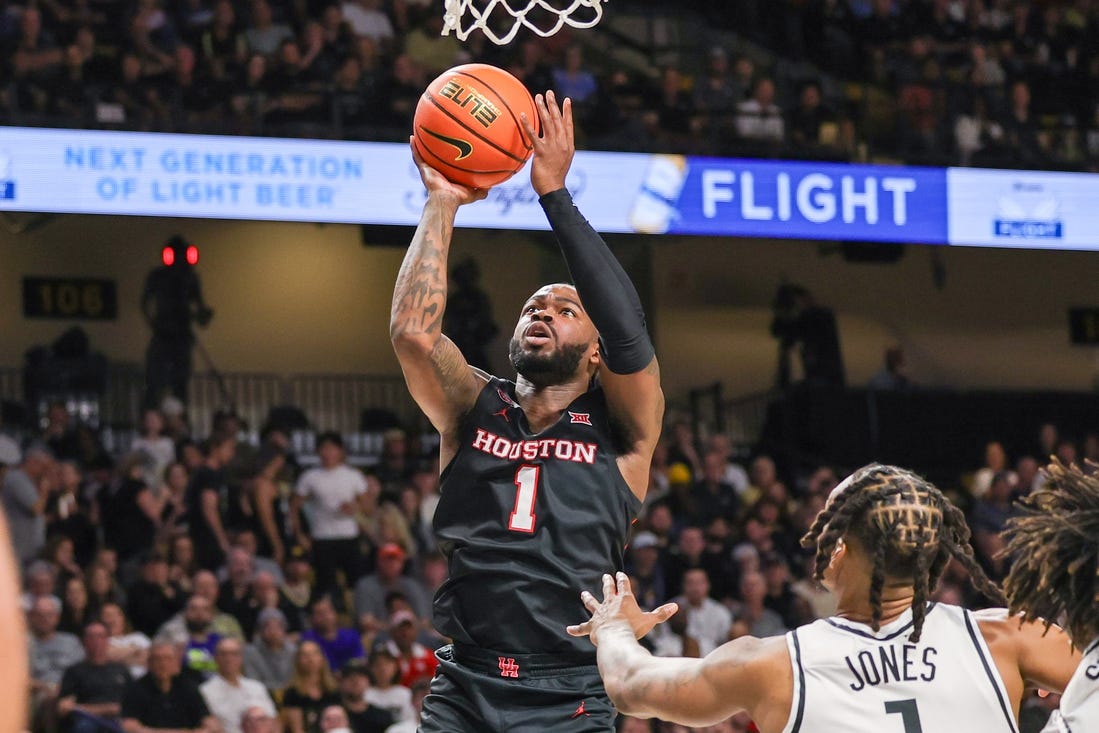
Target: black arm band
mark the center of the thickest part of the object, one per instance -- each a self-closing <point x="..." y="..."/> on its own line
<point x="607" y="293"/>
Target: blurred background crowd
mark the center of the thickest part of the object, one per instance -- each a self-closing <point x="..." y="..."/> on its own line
<point x="970" y="82"/>
<point x="200" y="581"/>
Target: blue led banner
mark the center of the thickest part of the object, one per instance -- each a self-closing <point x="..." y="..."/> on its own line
<point x="149" y="174"/>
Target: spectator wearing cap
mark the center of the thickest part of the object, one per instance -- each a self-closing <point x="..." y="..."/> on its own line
<point x="92" y="690"/>
<point x="416" y="661"/>
<point x="645" y="571"/>
<point x="361" y="715"/>
<point x="371" y="590"/>
<point x="386" y="691"/>
<point x="270" y="657"/>
<point x="153" y="599"/>
<point x="229" y="694"/>
<point x="24" y="495"/>
<point x="339" y="644"/>
<point x="162" y="700"/>
<point x="332" y="494"/>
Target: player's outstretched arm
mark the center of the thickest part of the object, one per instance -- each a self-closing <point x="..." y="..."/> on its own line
<point x="630" y="374"/>
<point x="746" y="674"/>
<point x="1044" y="658"/>
<point x="438" y="376"/>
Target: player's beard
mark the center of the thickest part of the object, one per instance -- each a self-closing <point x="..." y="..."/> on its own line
<point x="556" y="367"/>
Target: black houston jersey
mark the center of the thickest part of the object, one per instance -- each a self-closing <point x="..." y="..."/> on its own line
<point x="528" y="521"/>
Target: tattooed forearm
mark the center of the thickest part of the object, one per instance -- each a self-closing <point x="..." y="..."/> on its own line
<point x="419" y="297"/>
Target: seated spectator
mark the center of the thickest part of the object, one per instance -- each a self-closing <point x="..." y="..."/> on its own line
<point x="751" y="616"/>
<point x="574" y="81"/>
<point x="416" y="661"/>
<point x="41" y="581"/>
<point x="717" y="92"/>
<point x="758" y="117"/>
<point x="263" y="36"/>
<point x="367" y="19"/>
<point x="708" y="622"/>
<point x="427" y="47"/>
<point x="223" y="49"/>
<point x="51" y="651"/>
<point x="102" y="587"/>
<point x="807" y="121"/>
<point x="645" y="570"/>
<point x="182" y="562"/>
<point x="339" y="644"/>
<point x="334" y="720"/>
<point x="92" y="690"/>
<point x="1028" y="476"/>
<point x="371" y="590"/>
<point x="258" y="720"/>
<point x="362" y="716"/>
<point x="270" y="657"/>
<point x="990" y="515"/>
<point x="995" y="463"/>
<point x="162" y="700"/>
<point x="312" y="689"/>
<point x="205" y="585"/>
<point x="385" y="691"/>
<point x="68" y="514"/>
<point x="265" y="595"/>
<point x="685" y="556"/>
<point x="733" y="473"/>
<point x="199" y="640"/>
<point x="711" y="496"/>
<point x="1021" y="131"/>
<point x="297" y="586"/>
<point x="60" y="434"/>
<point x="123" y="644"/>
<point x="228" y="694"/>
<point x="780" y="597"/>
<point x="894" y="373"/>
<point x="75" y="611"/>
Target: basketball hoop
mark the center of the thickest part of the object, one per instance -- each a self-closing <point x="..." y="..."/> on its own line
<point x="465" y="16"/>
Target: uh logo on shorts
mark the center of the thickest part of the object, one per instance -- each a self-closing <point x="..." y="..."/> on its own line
<point x="509" y="667"/>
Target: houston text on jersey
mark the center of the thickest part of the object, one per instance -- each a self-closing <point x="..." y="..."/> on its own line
<point x="530" y="450"/>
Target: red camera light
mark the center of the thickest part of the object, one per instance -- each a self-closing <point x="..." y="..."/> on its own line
<point x="192" y="255"/>
<point x="168" y="256"/>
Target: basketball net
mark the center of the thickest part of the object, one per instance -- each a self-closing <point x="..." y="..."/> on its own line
<point x="465" y="16"/>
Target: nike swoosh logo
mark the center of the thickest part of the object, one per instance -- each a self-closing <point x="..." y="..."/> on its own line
<point x="465" y="149"/>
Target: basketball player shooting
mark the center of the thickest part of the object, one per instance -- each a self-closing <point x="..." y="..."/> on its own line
<point x="543" y="476"/>
<point x="1054" y="552"/>
<point x="888" y="662"/>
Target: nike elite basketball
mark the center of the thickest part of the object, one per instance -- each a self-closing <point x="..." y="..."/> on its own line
<point x="467" y="125"/>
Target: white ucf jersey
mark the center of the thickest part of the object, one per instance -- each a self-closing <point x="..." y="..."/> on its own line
<point x="850" y="678"/>
<point x="1079" y="712"/>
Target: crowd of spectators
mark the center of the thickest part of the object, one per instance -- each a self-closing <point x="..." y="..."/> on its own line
<point x="971" y="82"/>
<point x="218" y="585"/>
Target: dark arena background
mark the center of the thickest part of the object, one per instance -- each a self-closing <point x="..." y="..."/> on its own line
<point x="862" y="230"/>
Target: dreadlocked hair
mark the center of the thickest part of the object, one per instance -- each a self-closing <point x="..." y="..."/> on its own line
<point x="1054" y="551"/>
<point x="910" y="530"/>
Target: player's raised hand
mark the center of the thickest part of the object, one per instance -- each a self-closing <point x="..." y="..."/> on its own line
<point x="619" y="606"/>
<point x="436" y="182"/>
<point x="553" y="150"/>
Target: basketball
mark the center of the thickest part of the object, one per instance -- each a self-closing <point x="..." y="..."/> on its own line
<point x="467" y="125"/>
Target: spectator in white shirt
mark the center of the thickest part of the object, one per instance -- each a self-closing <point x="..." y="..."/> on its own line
<point x="368" y="20"/>
<point x="157" y="446"/>
<point x="758" y="117"/>
<point x="333" y="494"/>
<point x="228" y="694"/>
<point x="708" y="622"/>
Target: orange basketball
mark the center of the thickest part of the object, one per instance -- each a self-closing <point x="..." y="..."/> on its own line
<point x="467" y="125"/>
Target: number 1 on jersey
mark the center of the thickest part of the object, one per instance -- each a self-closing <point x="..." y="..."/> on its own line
<point x="522" y="516"/>
<point x="910" y="714"/>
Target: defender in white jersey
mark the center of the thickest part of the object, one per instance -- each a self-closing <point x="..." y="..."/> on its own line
<point x="1054" y="551"/>
<point x="888" y="662"/>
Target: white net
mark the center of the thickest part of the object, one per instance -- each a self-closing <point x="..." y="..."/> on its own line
<point x="500" y="20"/>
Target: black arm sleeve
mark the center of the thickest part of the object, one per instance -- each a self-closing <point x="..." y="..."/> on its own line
<point x="606" y="290"/>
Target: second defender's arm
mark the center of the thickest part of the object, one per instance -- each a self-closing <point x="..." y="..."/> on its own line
<point x="630" y="374"/>
<point x="438" y="376"/>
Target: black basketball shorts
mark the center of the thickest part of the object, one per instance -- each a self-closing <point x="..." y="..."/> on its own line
<point x="477" y="691"/>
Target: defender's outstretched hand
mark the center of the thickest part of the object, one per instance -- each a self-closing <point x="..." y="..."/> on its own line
<point x="436" y="182"/>
<point x="553" y="150"/>
<point x="619" y="607"/>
